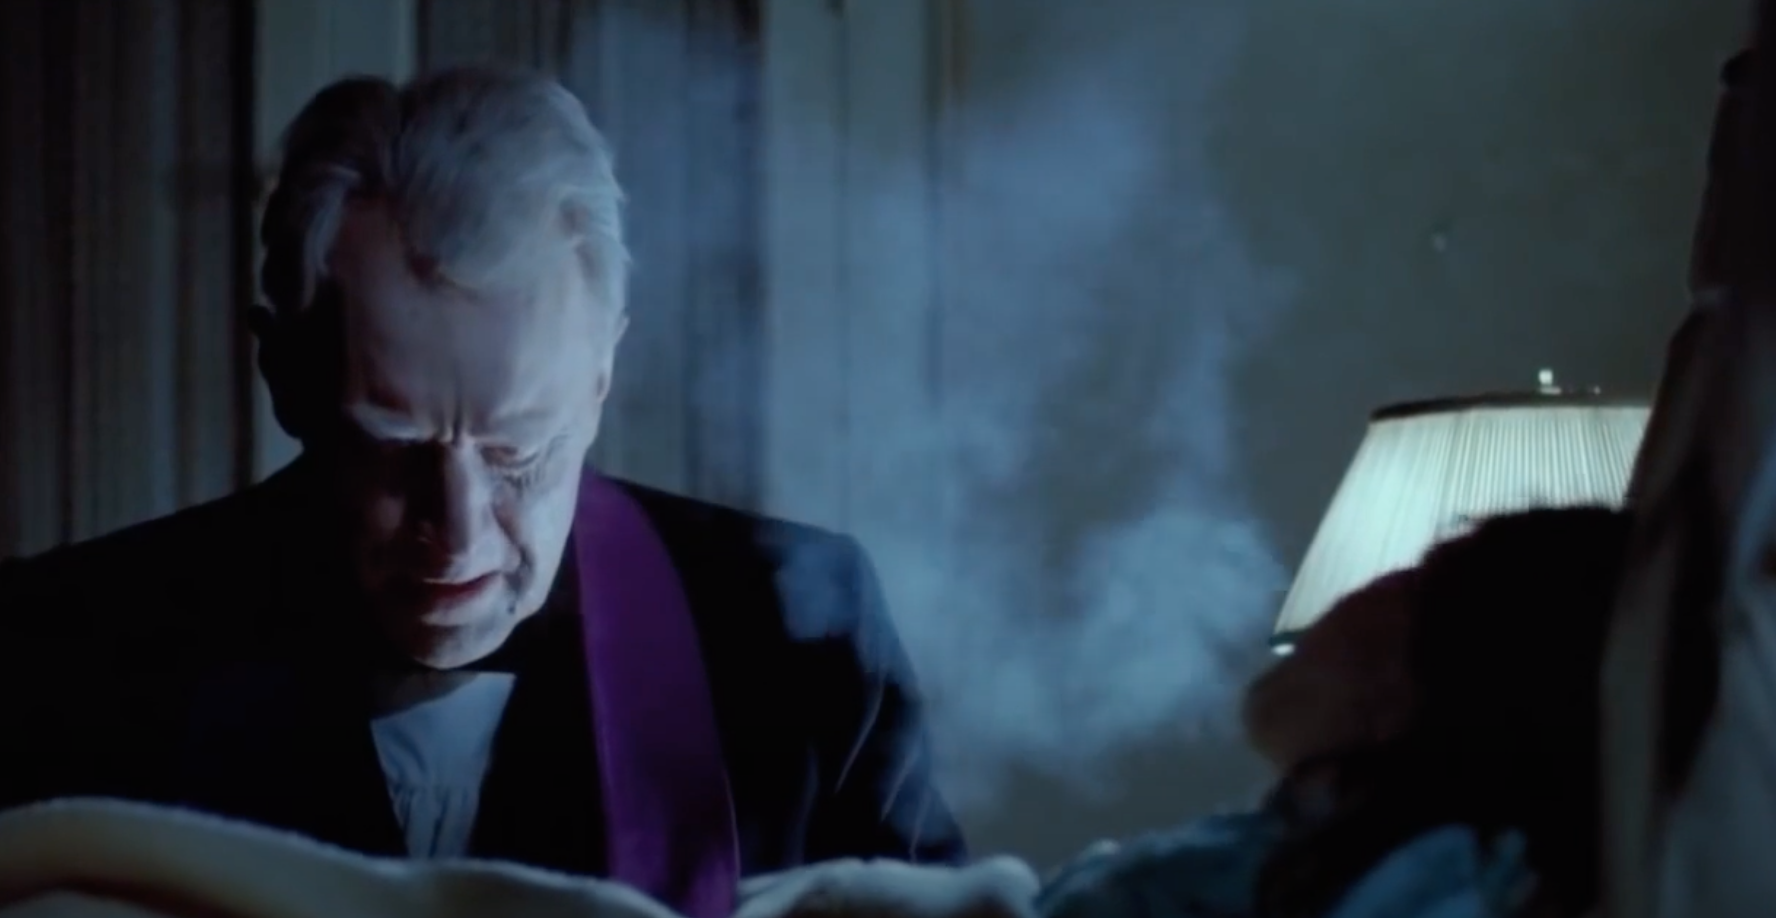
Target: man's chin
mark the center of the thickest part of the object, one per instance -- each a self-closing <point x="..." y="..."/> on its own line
<point x="448" y="646"/>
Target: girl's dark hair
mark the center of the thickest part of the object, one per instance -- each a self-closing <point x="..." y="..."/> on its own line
<point x="1507" y="644"/>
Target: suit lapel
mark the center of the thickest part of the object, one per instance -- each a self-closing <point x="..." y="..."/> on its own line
<point x="540" y="803"/>
<point x="280" y="733"/>
<point x="274" y="747"/>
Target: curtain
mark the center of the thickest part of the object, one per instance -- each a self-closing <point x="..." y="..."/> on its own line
<point x="674" y="84"/>
<point x="126" y="188"/>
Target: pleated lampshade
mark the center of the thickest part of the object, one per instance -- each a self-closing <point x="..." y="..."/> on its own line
<point x="1426" y="470"/>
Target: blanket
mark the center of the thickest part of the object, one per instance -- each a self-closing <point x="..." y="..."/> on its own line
<point x="995" y="887"/>
<point x="1210" y="868"/>
<point x="112" y="859"/>
<point x="103" y="858"/>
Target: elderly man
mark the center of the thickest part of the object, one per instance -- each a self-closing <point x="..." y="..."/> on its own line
<point x="437" y="632"/>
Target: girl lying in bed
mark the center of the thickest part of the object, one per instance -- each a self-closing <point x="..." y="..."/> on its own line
<point x="1437" y="733"/>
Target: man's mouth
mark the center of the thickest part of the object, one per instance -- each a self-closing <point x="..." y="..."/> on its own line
<point x="441" y="597"/>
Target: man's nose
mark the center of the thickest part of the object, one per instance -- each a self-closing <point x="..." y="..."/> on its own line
<point x="459" y="511"/>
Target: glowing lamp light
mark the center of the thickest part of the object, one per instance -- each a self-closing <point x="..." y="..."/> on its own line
<point x="1425" y="470"/>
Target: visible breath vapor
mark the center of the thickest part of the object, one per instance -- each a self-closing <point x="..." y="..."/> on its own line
<point x="1060" y="528"/>
<point x="1093" y="579"/>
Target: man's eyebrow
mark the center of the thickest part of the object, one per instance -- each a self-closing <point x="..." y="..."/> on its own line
<point x="380" y="422"/>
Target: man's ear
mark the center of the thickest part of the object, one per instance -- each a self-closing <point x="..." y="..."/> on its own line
<point x="278" y="367"/>
<point x="618" y="327"/>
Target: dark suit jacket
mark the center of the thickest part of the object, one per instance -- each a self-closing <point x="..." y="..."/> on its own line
<point x="205" y="659"/>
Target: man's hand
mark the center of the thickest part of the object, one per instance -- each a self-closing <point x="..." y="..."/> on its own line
<point x="997" y="887"/>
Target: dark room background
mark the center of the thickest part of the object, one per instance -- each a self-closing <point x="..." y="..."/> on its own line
<point x="1071" y="312"/>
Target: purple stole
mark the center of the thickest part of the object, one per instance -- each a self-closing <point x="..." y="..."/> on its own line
<point x="669" y="812"/>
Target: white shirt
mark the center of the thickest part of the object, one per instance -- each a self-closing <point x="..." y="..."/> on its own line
<point x="434" y="736"/>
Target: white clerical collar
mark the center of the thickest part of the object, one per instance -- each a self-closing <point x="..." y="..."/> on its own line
<point x="434" y="736"/>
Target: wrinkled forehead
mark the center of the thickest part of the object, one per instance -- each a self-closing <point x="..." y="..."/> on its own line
<point x="414" y="343"/>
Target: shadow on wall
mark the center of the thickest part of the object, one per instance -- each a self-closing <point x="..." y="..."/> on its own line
<point x="1214" y="235"/>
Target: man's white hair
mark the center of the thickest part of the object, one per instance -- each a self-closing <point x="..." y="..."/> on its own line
<point x="486" y="171"/>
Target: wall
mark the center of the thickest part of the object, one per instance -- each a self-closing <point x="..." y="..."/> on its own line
<point x="1131" y="274"/>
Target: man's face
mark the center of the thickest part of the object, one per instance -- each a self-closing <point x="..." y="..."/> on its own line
<point x="464" y="425"/>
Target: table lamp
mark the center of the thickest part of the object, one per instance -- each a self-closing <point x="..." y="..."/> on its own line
<point x="1425" y="470"/>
